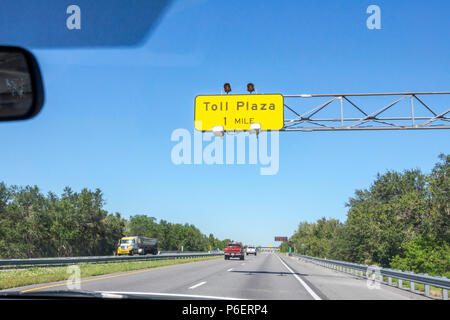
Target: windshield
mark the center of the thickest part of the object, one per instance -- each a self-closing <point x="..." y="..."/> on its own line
<point x="126" y="241"/>
<point x="316" y="130"/>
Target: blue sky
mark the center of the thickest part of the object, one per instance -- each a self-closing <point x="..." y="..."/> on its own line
<point x="110" y="112"/>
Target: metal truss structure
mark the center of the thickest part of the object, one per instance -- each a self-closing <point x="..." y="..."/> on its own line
<point x="367" y="113"/>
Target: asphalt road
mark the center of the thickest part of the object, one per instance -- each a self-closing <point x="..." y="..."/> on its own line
<point x="266" y="276"/>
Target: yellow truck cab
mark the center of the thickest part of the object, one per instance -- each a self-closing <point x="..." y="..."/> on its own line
<point x="137" y="245"/>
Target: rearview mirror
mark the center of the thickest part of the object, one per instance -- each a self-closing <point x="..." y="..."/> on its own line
<point x="21" y="88"/>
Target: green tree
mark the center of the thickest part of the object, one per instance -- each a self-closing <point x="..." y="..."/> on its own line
<point x="402" y="220"/>
<point x="424" y="255"/>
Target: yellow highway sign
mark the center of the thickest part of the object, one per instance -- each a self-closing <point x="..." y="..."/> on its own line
<point x="237" y="112"/>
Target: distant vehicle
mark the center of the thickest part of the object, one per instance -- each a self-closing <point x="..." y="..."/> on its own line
<point x="234" y="250"/>
<point x="251" y="250"/>
<point x="137" y="245"/>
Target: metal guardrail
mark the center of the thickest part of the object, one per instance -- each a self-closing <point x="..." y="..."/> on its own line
<point x="371" y="271"/>
<point x="55" y="262"/>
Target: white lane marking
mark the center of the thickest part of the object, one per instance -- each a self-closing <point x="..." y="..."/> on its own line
<point x="169" y="294"/>
<point x="230" y="269"/>
<point x="303" y="283"/>
<point x="197" y="285"/>
<point x="243" y="264"/>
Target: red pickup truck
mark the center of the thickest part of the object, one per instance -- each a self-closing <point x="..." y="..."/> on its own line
<point x="234" y="250"/>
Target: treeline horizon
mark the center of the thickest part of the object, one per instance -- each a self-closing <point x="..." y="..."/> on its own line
<point x="401" y="221"/>
<point x="35" y="225"/>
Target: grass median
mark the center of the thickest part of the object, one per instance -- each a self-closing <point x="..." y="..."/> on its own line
<point x="24" y="277"/>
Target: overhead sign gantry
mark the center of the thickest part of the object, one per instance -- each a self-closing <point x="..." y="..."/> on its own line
<point x="368" y="111"/>
<point x="321" y="112"/>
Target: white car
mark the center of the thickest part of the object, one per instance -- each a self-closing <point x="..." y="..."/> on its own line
<point x="251" y="250"/>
